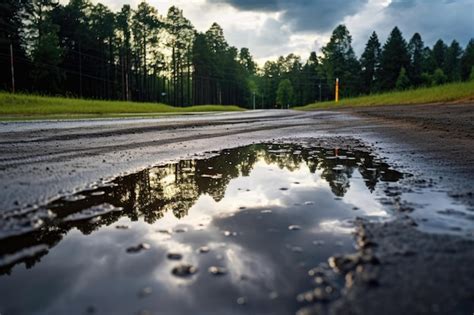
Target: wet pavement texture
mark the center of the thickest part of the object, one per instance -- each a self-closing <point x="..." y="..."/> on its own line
<point x="414" y="259"/>
<point x="228" y="232"/>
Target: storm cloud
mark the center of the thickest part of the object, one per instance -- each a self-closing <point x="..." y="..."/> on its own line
<point x="277" y="27"/>
<point x="303" y="15"/>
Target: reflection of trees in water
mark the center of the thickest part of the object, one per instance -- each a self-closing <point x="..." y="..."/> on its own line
<point x="176" y="187"/>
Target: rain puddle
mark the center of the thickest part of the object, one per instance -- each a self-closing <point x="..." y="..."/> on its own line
<point x="232" y="232"/>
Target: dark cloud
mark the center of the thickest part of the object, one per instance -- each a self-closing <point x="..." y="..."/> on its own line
<point x="303" y="15"/>
<point x="445" y="19"/>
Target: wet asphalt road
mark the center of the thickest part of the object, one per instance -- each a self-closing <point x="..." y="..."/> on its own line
<point x="42" y="160"/>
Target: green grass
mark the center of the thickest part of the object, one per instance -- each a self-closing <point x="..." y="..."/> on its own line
<point x="449" y="93"/>
<point x="22" y="106"/>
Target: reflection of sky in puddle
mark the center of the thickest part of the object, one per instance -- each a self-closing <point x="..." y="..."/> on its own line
<point x="89" y="266"/>
<point x="438" y="214"/>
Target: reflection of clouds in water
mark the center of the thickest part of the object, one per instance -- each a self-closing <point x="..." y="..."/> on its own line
<point x="334" y="226"/>
<point x="184" y="196"/>
<point x="242" y="263"/>
<point x="359" y="196"/>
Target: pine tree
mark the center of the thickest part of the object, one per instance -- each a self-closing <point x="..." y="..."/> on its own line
<point x="181" y="37"/>
<point x="339" y="61"/>
<point x="12" y="18"/>
<point x="145" y="29"/>
<point x="439" y="53"/>
<point x="46" y="53"/>
<point x="416" y="51"/>
<point x="394" y="57"/>
<point x="452" y="63"/>
<point x="285" y="93"/>
<point x="370" y="63"/>
<point x="311" y="80"/>
<point x="467" y="60"/>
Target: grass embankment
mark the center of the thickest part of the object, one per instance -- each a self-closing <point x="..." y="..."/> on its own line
<point x="22" y="106"/>
<point x="449" y="93"/>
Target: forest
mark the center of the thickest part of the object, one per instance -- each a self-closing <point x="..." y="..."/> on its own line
<point x="85" y="50"/>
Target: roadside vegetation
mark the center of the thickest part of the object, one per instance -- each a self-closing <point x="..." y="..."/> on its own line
<point x="453" y="92"/>
<point x="84" y="49"/>
<point x="22" y="106"/>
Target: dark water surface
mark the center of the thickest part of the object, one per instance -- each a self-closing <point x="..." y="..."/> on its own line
<point x="228" y="234"/>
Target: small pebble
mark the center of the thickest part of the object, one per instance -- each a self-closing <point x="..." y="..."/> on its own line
<point x="174" y="256"/>
<point x="294" y="227"/>
<point x="138" y="248"/>
<point x="204" y="250"/>
<point x="122" y="227"/>
<point x="217" y="271"/>
<point x="184" y="270"/>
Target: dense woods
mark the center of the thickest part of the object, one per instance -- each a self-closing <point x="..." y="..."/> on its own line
<point x="85" y="50"/>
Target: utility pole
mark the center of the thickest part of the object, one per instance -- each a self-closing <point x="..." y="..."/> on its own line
<point x="12" y="67"/>
<point x="337" y="90"/>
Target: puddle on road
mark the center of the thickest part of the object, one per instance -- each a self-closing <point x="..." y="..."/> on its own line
<point x="233" y="233"/>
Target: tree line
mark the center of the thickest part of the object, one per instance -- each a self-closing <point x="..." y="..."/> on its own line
<point x="85" y="50"/>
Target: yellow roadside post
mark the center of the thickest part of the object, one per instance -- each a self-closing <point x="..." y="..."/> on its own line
<point x="337" y="90"/>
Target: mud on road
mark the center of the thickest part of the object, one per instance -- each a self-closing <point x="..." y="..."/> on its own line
<point x="406" y="265"/>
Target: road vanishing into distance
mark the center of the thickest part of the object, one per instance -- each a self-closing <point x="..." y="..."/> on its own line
<point x="419" y="261"/>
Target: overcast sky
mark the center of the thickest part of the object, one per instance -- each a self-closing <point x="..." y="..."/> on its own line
<point x="271" y="28"/>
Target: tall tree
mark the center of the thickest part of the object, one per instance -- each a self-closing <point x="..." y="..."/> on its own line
<point x="285" y="93"/>
<point x="416" y="51"/>
<point x="339" y="61"/>
<point x="218" y="48"/>
<point x="145" y="29"/>
<point x="394" y="57"/>
<point x="452" y="63"/>
<point x="102" y="27"/>
<point x="439" y="53"/>
<point x="181" y="37"/>
<point x="311" y="80"/>
<point x="124" y="37"/>
<point x="246" y="60"/>
<point x="12" y="17"/>
<point x="467" y="61"/>
<point x="370" y="63"/>
<point x="45" y="51"/>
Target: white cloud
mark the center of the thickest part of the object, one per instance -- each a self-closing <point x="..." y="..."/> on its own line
<point x="271" y="30"/>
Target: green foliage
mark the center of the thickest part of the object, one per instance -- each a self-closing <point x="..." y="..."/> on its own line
<point x="285" y="93"/>
<point x="426" y="79"/>
<point x="416" y="51"/>
<point x="471" y="77"/>
<point x="370" y="63"/>
<point x="453" y="92"/>
<point x="46" y="53"/>
<point x="467" y="60"/>
<point x="452" y="63"/>
<point x="439" y="77"/>
<point x="403" y="82"/>
<point x="21" y="106"/>
<point x="439" y="53"/>
<point x="81" y="48"/>
<point x="394" y="57"/>
<point x="339" y="61"/>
